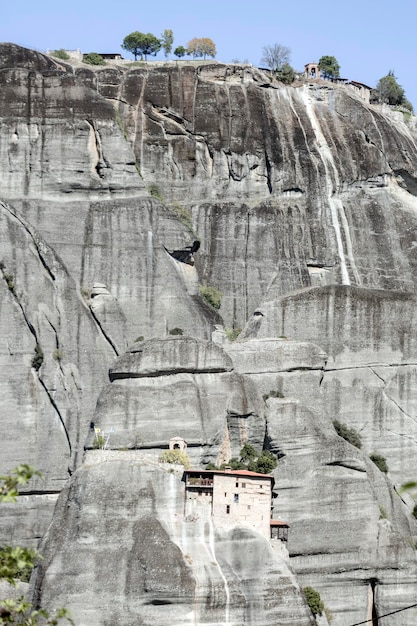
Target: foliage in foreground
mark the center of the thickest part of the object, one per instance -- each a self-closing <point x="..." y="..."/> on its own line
<point x="16" y="563"/>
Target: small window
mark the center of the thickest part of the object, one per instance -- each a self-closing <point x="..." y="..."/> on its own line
<point x="236" y="497"/>
<point x="243" y="485"/>
<point x="225" y="494"/>
<point x="248" y="506"/>
<point x="261" y="486"/>
<point x="237" y="484"/>
<point x="227" y="508"/>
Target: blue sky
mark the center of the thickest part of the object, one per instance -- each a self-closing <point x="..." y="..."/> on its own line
<point x="368" y="37"/>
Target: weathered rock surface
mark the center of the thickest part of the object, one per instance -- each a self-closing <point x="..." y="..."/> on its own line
<point x="351" y="535"/>
<point x="149" y="565"/>
<point x="183" y="387"/>
<point x="304" y="200"/>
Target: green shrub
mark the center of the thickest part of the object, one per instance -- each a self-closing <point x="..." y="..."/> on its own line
<point x="139" y="339"/>
<point x="380" y="462"/>
<point x="176" y="331"/>
<point x="99" y="441"/>
<point x="233" y="333"/>
<point x="349" y="434"/>
<point x="38" y="358"/>
<point x="251" y="459"/>
<point x="382" y="512"/>
<point x="9" y="278"/>
<point x="57" y="354"/>
<point x="314" y="601"/>
<point x="212" y="295"/>
<point x="273" y="394"/>
<point x="93" y="58"/>
<point x="153" y="190"/>
<point x="60" y="54"/>
<point x="177" y="457"/>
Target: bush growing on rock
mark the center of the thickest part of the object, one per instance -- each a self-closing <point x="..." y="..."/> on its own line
<point x="251" y="459"/>
<point x="93" y="58"/>
<point x="176" y="331"/>
<point x="349" y="434"/>
<point x="314" y="601"/>
<point x="60" y="54"/>
<point x="380" y="462"/>
<point x="212" y="295"/>
<point x="273" y="394"/>
<point x="38" y="358"/>
<point x="176" y="457"/>
<point x="233" y="333"/>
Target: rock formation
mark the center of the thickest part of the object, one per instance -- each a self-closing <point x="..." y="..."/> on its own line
<point x="304" y="201"/>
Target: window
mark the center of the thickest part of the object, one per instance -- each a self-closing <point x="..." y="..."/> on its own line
<point x="248" y="506"/>
<point x="225" y="494"/>
<point x="243" y="485"/>
<point x="237" y="484"/>
<point x="227" y="508"/>
<point x="236" y="497"/>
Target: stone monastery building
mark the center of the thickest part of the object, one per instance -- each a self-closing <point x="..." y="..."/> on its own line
<point x="236" y="498"/>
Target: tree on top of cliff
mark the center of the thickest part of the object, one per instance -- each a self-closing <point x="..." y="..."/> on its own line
<point x="180" y="51"/>
<point x="329" y="66"/>
<point x="167" y="39"/>
<point x="388" y="91"/>
<point x="141" y="43"/>
<point x="275" y="56"/>
<point x="201" y="47"/>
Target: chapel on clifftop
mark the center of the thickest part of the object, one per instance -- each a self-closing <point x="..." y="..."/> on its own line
<point x="236" y="498"/>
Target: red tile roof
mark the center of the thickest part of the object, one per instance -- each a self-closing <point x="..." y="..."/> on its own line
<point x="230" y="472"/>
<point x="278" y="522"/>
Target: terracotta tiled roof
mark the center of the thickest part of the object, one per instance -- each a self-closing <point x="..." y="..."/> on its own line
<point x="278" y="522"/>
<point x="230" y="472"/>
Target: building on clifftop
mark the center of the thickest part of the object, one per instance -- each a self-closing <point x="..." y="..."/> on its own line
<point x="236" y="498"/>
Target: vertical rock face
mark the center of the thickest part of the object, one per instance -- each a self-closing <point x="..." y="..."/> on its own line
<point x="304" y="201"/>
<point x="149" y="565"/>
<point x="180" y="387"/>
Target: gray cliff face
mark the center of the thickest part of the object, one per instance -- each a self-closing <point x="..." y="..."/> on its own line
<point x="150" y="565"/>
<point x="180" y="387"/>
<point x="304" y="200"/>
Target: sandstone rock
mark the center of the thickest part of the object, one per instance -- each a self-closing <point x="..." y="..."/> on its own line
<point x="348" y="527"/>
<point x="184" y="387"/>
<point x="158" y="357"/>
<point x="287" y="189"/>
<point x="168" y="570"/>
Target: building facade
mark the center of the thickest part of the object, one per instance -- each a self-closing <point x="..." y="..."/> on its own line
<point x="234" y="497"/>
